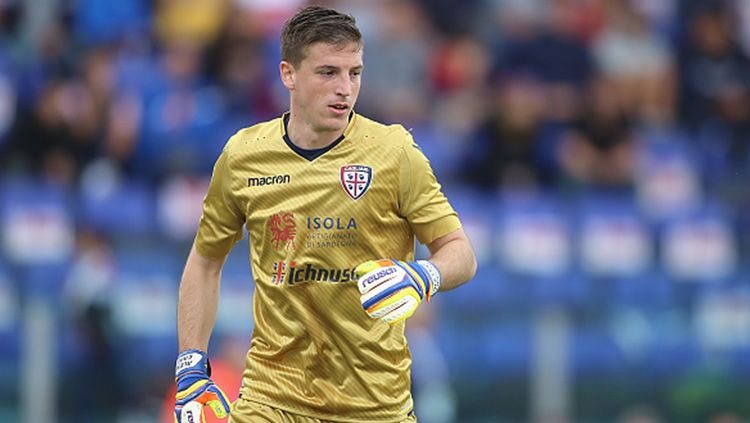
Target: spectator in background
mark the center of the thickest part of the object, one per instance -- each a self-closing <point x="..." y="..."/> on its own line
<point x="52" y="139"/>
<point x="397" y="89"/>
<point x="715" y="100"/>
<point x="182" y="107"/>
<point x="51" y="135"/>
<point x="62" y="134"/>
<point x="504" y="152"/>
<point x="459" y="70"/>
<point x="49" y="58"/>
<point x="9" y="74"/>
<point x="241" y="74"/>
<point x="599" y="150"/>
<point x="97" y="22"/>
<point x="638" y="63"/>
<point x="555" y="52"/>
<point x="181" y="114"/>
<point x="450" y="19"/>
<point x="714" y="69"/>
<point x="91" y="388"/>
<point x="196" y="21"/>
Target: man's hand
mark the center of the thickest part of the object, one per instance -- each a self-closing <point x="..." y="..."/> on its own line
<point x="194" y="386"/>
<point x="392" y="289"/>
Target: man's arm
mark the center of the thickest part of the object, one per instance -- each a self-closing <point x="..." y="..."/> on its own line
<point x="391" y="290"/>
<point x="453" y="255"/>
<point x="198" y="301"/>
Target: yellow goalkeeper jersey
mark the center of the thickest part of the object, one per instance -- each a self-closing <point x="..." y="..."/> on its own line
<point x="312" y="217"/>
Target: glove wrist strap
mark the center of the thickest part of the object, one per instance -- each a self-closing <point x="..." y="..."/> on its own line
<point x="434" y="274"/>
<point x="191" y="361"/>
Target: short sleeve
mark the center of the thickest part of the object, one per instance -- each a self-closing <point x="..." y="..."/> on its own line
<point x="422" y="201"/>
<point x="221" y="222"/>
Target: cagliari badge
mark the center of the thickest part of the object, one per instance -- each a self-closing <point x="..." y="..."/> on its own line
<point x="355" y="179"/>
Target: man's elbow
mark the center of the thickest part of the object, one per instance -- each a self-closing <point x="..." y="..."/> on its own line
<point x="472" y="266"/>
<point x="470" y="260"/>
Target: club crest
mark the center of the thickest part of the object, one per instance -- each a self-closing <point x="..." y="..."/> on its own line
<point x="355" y="179"/>
<point x="283" y="230"/>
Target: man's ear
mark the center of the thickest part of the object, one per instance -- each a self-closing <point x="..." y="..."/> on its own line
<point x="287" y="72"/>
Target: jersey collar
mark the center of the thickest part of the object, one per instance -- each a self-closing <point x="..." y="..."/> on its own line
<point x="312" y="154"/>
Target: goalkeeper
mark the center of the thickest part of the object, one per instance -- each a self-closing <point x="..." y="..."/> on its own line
<point x="332" y="202"/>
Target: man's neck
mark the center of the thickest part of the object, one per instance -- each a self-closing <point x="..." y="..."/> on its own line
<point x="303" y="135"/>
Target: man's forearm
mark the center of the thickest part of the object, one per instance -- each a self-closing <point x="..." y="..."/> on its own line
<point x="454" y="257"/>
<point x="197" y="302"/>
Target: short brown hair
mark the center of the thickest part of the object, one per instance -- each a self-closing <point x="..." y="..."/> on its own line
<point x="316" y="24"/>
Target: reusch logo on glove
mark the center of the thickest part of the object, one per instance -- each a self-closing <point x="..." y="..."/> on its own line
<point x="187" y="360"/>
<point x="381" y="274"/>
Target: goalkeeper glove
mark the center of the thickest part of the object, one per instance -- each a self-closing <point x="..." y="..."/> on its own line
<point x="195" y="389"/>
<point x="391" y="290"/>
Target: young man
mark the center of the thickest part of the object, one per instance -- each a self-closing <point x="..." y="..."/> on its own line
<point x="332" y="202"/>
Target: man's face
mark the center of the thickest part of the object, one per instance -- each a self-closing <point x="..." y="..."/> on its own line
<point x="325" y="85"/>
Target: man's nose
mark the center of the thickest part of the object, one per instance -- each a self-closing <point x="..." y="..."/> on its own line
<point x="344" y="86"/>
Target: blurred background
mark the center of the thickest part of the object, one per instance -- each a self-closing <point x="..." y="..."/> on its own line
<point x="596" y="150"/>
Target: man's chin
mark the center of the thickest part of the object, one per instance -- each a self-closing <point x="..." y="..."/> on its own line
<point x="335" y="124"/>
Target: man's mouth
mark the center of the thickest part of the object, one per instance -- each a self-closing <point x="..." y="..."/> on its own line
<point x="339" y="106"/>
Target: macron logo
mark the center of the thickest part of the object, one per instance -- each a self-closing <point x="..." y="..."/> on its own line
<point x="269" y="180"/>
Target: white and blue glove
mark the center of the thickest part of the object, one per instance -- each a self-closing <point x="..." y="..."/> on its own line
<point x="391" y="290"/>
<point x="195" y="389"/>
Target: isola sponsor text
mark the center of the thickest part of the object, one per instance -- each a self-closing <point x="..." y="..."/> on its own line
<point x="331" y="223"/>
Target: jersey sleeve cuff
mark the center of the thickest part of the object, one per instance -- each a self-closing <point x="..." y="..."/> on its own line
<point x="430" y="231"/>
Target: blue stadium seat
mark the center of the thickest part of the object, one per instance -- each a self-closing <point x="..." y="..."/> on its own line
<point x="144" y="304"/>
<point x="668" y="182"/>
<point x="672" y="359"/>
<point x="477" y="212"/>
<point x="533" y="235"/>
<point x="594" y="353"/>
<point x="740" y="361"/>
<point x="721" y="165"/>
<point x="127" y="210"/>
<point x="652" y="290"/>
<point x="568" y="289"/>
<point x="19" y="192"/>
<point x="485" y="351"/>
<point x="43" y="213"/>
<point x="10" y="335"/>
<point x="613" y="239"/>
<point x="235" y="314"/>
<point x="97" y="22"/>
<point x="441" y="152"/>
<point x="489" y="290"/>
<point x="700" y="245"/>
<point x="509" y="347"/>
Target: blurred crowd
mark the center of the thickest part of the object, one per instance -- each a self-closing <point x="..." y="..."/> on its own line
<point x="122" y="106"/>
<point x="545" y="94"/>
